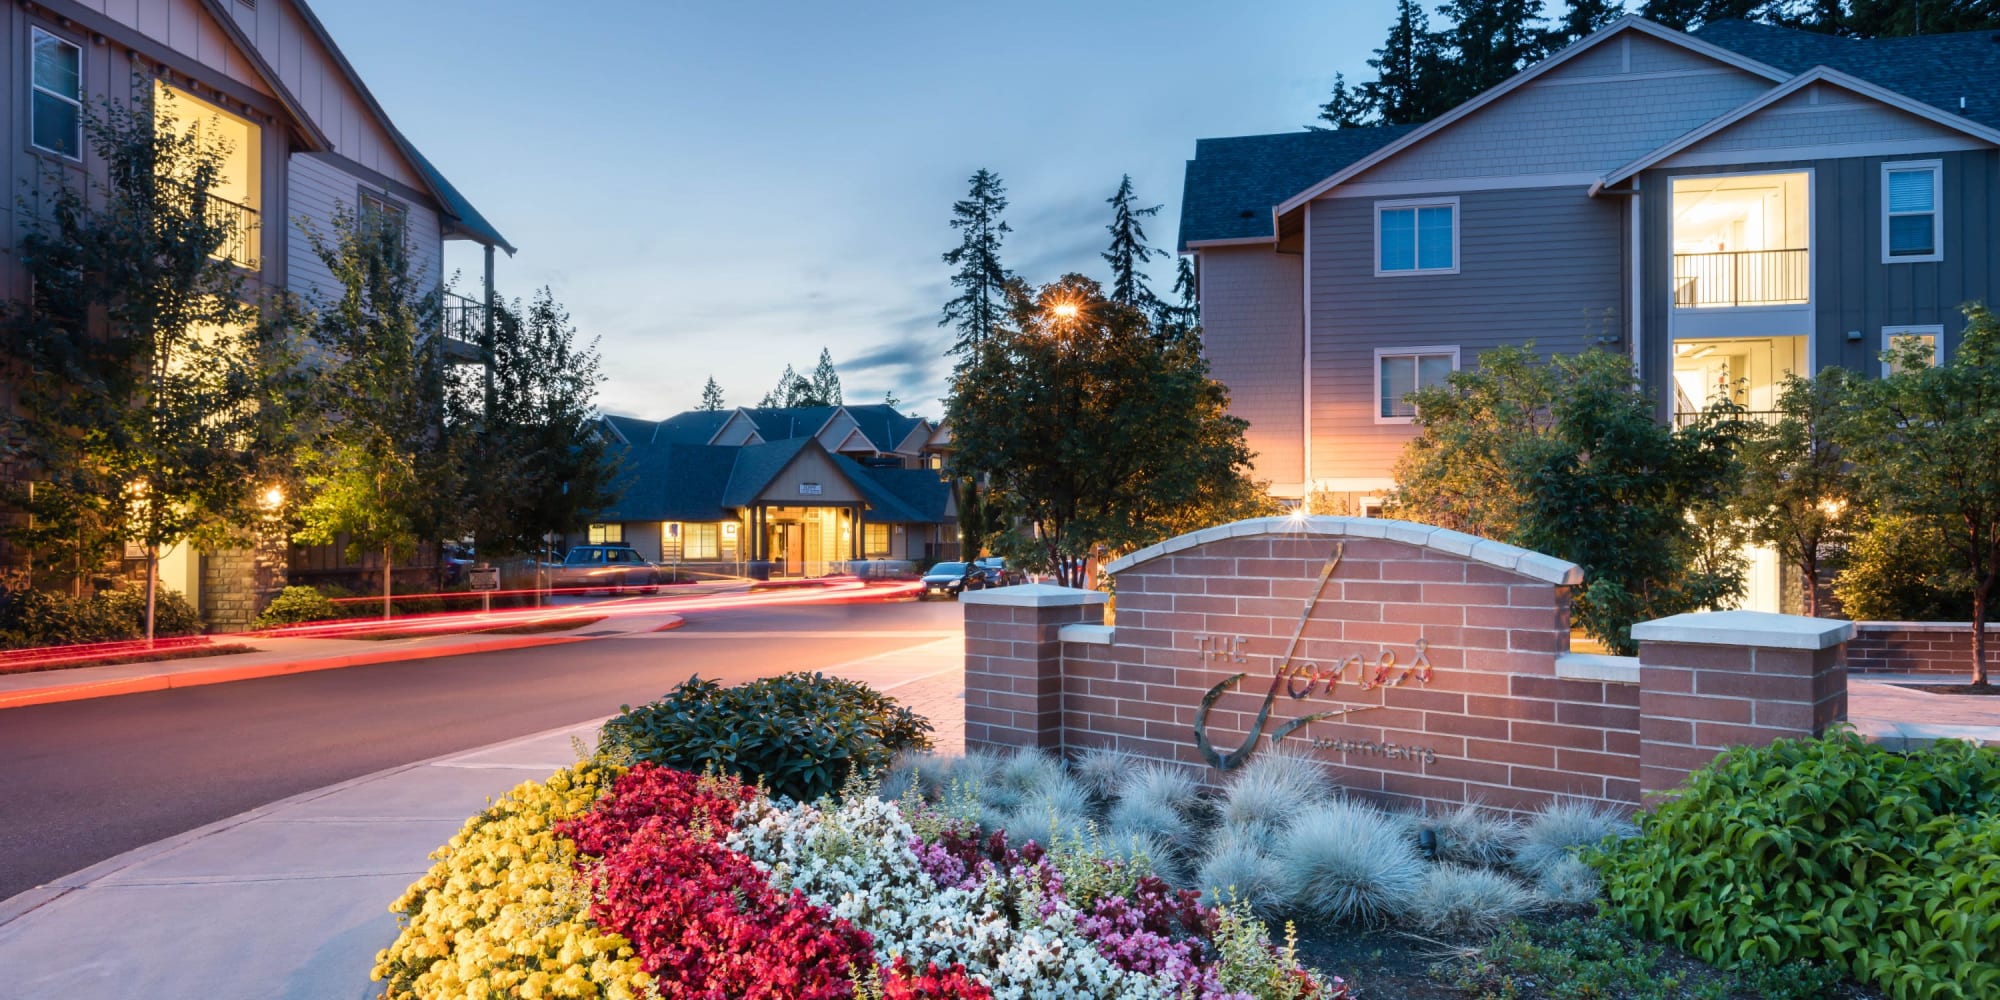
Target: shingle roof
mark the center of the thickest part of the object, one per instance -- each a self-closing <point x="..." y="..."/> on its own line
<point x="1232" y="183"/>
<point x="777" y="423"/>
<point x="884" y="426"/>
<point x="674" y="483"/>
<point x="632" y="429"/>
<point x="1935" y="69"/>
<point x="919" y="493"/>
<point x="756" y="466"/>
<point x="692" y="427"/>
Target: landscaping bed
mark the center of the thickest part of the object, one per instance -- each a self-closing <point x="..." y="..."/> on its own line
<point x="183" y="650"/>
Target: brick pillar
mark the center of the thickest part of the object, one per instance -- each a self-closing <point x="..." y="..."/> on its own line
<point x="1714" y="680"/>
<point x="1013" y="662"/>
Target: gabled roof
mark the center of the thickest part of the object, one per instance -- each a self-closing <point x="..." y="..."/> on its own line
<point x="1936" y="70"/>
<point x="1630" y="22"/>
<point x="458" y="211"/>
<point x="692" y="427"/>
<point x="673" y="483"/>
<point x="1820" y="74"/>
<point x="316" y="139"/>
<point x="778" y="423"/>
<point x="1232" y="183"/>
<point x="907" y="495"/>
<point x="883" y="424"/>
<point x="758" y="464"/>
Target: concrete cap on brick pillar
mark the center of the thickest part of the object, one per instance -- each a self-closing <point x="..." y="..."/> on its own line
<point x="1746" y="628"/>
<point x="1034" y="595"/>
<point x="1533" y="565"/>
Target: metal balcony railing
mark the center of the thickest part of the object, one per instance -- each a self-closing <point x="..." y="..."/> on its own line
<point x="1741" y="278"/>
<point x="241" y="224"/>
<point x="1687" y="418"/>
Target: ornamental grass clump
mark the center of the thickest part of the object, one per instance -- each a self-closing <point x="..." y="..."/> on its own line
<point x="1237" y="869"/>
<point x="1472" y="835"/>
<point x="1160" y="800"/>
<point x="1266" y="794"/>
<point x="1349" y="863"/>
<point x="1102" y="771"/>
<point x="1569" y="882"/>
<point x="1463" y="901"/>
<point x="1560" y="828"/>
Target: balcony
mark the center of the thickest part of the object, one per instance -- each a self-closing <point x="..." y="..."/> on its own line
<point x="242" y="226"/>
<point x="1768" y="418"/>
<point x="464" y="326"/>
<point x="1742" y="278"/>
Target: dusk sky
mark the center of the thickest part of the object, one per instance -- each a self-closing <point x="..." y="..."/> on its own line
<point x="724" y="188"/>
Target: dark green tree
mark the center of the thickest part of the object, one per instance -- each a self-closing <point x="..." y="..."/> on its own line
<point x="1925" y="444"/>
<point x="825" y="381"/>
<point x="546" y="471"/>
<point x="981" y="280"/>
<point x="1687" y="15"/>
<point x="1345" y="107"/>
<point x="1796" y="494"/>
<point x="711" y="395"/>
<point x="1407" y="86"/>
<point x="789" y="388"/>
<point x="385" y="466"/>
<point x="794" y="389"/>
<point x="1580" y="19"/>
<point x="1488" y="41"/>
<point x="1180" y="318"/>
<point x="1091" y="436"/>
<point x="1129" y="252"/>
<point x="147" y="377"/>
<point x="1458" y="472"/>
<point x="1896" y="18"/>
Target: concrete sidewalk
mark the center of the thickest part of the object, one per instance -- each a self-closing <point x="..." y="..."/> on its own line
<point x="291" y="900"/>
<point x="1903" y="718"/>
<point x="276" y="656"/>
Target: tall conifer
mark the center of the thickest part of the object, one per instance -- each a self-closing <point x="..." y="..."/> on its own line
<point x="981" y="280"/>
<point x="1129" y="252"/>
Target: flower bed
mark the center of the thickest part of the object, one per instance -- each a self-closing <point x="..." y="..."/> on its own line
<point x="606" y="882"/>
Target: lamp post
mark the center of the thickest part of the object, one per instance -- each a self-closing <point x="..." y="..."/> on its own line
<point x="1064" y="314"/>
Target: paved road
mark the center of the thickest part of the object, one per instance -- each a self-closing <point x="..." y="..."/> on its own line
<point x="83" y="781"/>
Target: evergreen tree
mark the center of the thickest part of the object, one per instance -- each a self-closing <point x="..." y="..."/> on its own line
<point x="784" y="391"/>
<point x="1686" y="15"/>
<point x="1129" y="253"/>
<point x="1347" y="107"/>
<point x="1580" y="19"/>
<point x="825" y="381"/>
<point x="1489" y="41"/>
<point x="1179" y="319"/>
<point x="711" y="395"/>
<point x="1896" y="18"/>
<point x="1405" y="90"/>
<point x="981" y="280"/>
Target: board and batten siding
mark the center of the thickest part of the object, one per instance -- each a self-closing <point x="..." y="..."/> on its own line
<point x="187" y="27"/>
<point x="1853" y="290"/>
<point x="1602" y="109"/>
<point x="1540" y="264"/>
<point x="1252" y="332"/>
<point x="319" y="188"/>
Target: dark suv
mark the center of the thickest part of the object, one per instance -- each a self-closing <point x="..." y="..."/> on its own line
<point x="607" y="567"/>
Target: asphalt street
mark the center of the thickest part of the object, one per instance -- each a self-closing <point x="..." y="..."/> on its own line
<point x="84" y="781"/>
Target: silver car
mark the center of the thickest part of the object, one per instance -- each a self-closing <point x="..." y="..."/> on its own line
<point x="607" y="567"/>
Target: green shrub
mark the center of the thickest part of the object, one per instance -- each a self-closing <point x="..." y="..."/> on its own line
<point x="125" y="609"/>
<point x="800" y="734"/>
<point x="296" y="606"/>
<point x="1901" y="570"/>
<point x="32" y="618"/>
<point x="1884" y="864"/>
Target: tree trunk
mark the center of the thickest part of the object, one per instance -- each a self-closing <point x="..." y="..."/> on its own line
<point x="152" y="588"/>
<point x="388" y="579"/>
<point x="1979" y="597"/>
<point x="1809" y="568"/>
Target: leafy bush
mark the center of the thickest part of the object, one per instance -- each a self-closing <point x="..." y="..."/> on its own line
<point x="1348" y="862"/>
<point x="1593" y="959"/>
<point x="1828" y="850"/>
<point x="1900" y="570"/>
<point x="296" y="606"/>
<point x="31" y="618"/>
<point x="1458" y="900"/>
<point x="801" y="735"/>
<point x="1558" y="829"/>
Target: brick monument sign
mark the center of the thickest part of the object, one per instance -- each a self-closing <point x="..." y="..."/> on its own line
<point x="1422" y="665"/>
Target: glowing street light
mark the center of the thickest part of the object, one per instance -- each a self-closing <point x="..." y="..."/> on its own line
<point x="273" y="498"/>
<point x="1064" y="310"/>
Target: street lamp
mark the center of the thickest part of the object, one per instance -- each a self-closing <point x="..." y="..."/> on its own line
<point x="1064" y="310"/>
<point x="273" y="498"/>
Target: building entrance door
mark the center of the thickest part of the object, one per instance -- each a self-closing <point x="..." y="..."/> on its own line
<point x="783" y="545"/>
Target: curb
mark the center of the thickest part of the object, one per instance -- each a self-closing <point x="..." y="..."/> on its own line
<point x="27" y="901"/>
<point x="223" y="675"/>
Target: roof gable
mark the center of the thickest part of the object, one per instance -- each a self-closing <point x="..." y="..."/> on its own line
<point x="1953" y="73"/>
<point x="1231" y="184"/>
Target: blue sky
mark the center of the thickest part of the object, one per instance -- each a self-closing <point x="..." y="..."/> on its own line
<point x="724" y="188"/>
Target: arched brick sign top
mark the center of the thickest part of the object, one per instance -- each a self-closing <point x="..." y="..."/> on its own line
<point x="1456" y="544"/>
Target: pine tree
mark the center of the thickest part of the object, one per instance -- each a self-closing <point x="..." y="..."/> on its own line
<point x="784" y="391"/>
<point x="1129" y="253"/>
<point x="1347" y="107"/>
<point x="1179" y="319"/>
<point x="981" y="279"/>
<point x="825" y="381"/>
<point x="711" y="395"/>
<point x="1489" y="41"/>
<point x="1407" y="66"/>
<point x="1579" y="20"/>
<point x="1687" y="15"/>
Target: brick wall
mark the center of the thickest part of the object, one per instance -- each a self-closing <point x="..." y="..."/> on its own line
<point x="1013" y="663"/>
<point x="1918" y="648"/>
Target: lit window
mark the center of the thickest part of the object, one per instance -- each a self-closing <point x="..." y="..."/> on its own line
<point x="1912" y="226"/>
<point x="1401" y="372"/>
<point x="1896" y="337"/>
<point x="57" y="105"/>
<point x="875" y="541"/>
<point x="1416" y="237"/>
<point x="703" y="541"/>
<point x="607" y="534"/>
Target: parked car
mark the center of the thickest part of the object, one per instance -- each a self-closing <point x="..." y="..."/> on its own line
<point x="994" y="571"/>
<point x="607" y="567"/>
<point x="949" y="579"/>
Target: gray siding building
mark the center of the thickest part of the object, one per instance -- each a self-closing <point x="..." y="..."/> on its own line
<point x="1726" y="207"/>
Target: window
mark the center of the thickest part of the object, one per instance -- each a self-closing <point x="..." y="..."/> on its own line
<point x="57" y="103"/>
<point x="875" y="541"/>
<point x="703" y="541"/>
<point x="379" y="210"/>
<point x="1401" y="372"/>
<point x="1896" y="336"/>
<point x="1912" y="226"/>
<point x="1416" y="237"/>
<point x="607" y="534"/>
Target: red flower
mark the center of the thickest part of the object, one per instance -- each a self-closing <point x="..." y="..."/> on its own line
<point x="905" y="983"/>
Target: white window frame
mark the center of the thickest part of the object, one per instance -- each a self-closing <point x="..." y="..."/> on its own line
<point x="1400" y="204"/>
<point x="701" y="541"/>
<point x="1936" y="168"/>
<point x="1935" y="331"/>
<point x="35" y="88"/>
<point x="1375" y="399"/>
